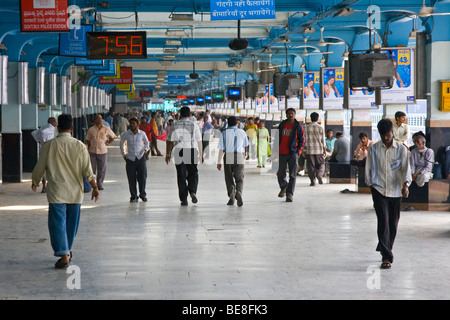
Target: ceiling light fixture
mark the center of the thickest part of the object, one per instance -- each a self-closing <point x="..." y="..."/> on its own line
<point x="345" y="12"/>
<point x="309" y="30"/>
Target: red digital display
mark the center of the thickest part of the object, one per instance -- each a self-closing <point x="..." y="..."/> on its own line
<point x="146" y="94"/>
<point x="117" y="45"/>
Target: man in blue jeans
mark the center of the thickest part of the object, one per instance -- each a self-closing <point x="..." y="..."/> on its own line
<point x="66" y="161"/>
<point x="291" y="140"/>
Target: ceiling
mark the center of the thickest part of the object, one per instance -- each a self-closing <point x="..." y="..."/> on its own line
<point x="280" y="41"/>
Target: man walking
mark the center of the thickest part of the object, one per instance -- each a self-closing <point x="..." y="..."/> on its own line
<point x="98" y="137"/>
<point x="388" y="173"/>
<point x="137" y="148"/>
<point x="315" y="150"/>
<point x="291" y="142"/>
<point x="232" y="145"/>
<point x="42" y="135"/>
<point x="185" y="140"/>
<point x="66" y="161"/>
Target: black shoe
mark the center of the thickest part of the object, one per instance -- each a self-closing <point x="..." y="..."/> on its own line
<point x="100" y="188"/>
<point x="230" y="202"/>
<point x="239" y="201"/>
<point x="184" y="203"/>
<point x="134" y="200"/>
<point x="143" y="199"/>
<point x="194" y="198"/>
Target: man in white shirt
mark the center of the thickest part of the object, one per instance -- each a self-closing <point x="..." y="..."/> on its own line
<point x="137" y="147"/>
<point x="388" y="173"/>
<point x="185" y="140"/>
<point x="401" y="128"/>
<point x="42" y="135"/>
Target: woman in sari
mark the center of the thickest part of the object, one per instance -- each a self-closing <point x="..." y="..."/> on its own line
<point x="263" y="145"/>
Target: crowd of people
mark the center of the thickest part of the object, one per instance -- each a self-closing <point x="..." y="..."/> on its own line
<point x="65" y="161"/>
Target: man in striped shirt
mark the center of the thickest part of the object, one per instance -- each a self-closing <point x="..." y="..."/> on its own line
<point x="315" y="150"/>
<point x="388" y="173"/>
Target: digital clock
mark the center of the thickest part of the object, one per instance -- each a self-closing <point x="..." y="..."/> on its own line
<point x="117" y="45"/>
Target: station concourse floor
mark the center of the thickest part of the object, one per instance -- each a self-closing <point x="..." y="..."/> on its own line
<point x="320" y="247"/>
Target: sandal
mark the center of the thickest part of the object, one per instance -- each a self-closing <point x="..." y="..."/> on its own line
<point x="386" y="264"/>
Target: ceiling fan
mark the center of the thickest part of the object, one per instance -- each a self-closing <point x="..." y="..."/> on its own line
<point x="270" y="67"/>
<point x="322" y="42"/>
<point x="305" y="52"/>
<point x="429" y="11"/>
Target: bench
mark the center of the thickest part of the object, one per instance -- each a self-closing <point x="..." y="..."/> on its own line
<point x="433" y="196"/>
<point x="342" y="172"/>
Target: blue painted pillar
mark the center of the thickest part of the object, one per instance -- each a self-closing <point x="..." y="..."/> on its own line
<point x="438" y="65"/>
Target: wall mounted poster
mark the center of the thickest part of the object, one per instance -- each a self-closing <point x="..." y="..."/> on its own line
<point x="292" y="102"/>
<point x="333" y="88"/>
<point x="403" y="89"/>
<point x="362" y="99"/>
<point x="311" y="90"/>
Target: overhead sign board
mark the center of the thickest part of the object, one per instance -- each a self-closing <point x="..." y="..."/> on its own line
<point x="73" y="43"/>
<point x="126" y="77"/>
<point x="87" y="62"/>
<point x="242" y="10"/>
<point x="176" y="79"/>
<point x="43" y="16"/>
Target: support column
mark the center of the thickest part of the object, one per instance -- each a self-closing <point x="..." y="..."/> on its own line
<point x="29" y="124"/>
<point x="334" y="120"/>
<point x="438" y="122"/>
<point x="360" y="122"/>
<point x="12" y="162"/>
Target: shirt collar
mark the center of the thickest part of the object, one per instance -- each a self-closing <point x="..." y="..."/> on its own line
<point x="67" y="134"/>
<point x="394" y="145"/>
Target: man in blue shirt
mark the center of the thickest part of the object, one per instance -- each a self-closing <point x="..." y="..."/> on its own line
<point x="232" y="144"/>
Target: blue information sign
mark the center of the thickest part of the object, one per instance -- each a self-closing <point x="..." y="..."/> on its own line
<point x="73" y="43"/>
<point x="176" y="79"/>
<point x="88" y="62"/>
<point x="242" y="9"/>
<point x="104" y="66"/>
<point x="110" y="72"/>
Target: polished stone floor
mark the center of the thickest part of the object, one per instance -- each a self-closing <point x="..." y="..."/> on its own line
<point x="321" y="246"/>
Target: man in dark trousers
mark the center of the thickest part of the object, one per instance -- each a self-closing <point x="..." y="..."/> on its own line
<point x="388" y="173"/>
<point x="232" y="145"/>
<point x="291" y="140"/>
<point x="185" y="141"/>
<point x="137" y="148"/>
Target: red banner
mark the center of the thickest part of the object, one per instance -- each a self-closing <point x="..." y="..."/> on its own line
<point x="43" y="15"/>
<point x="126" y="77"/>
